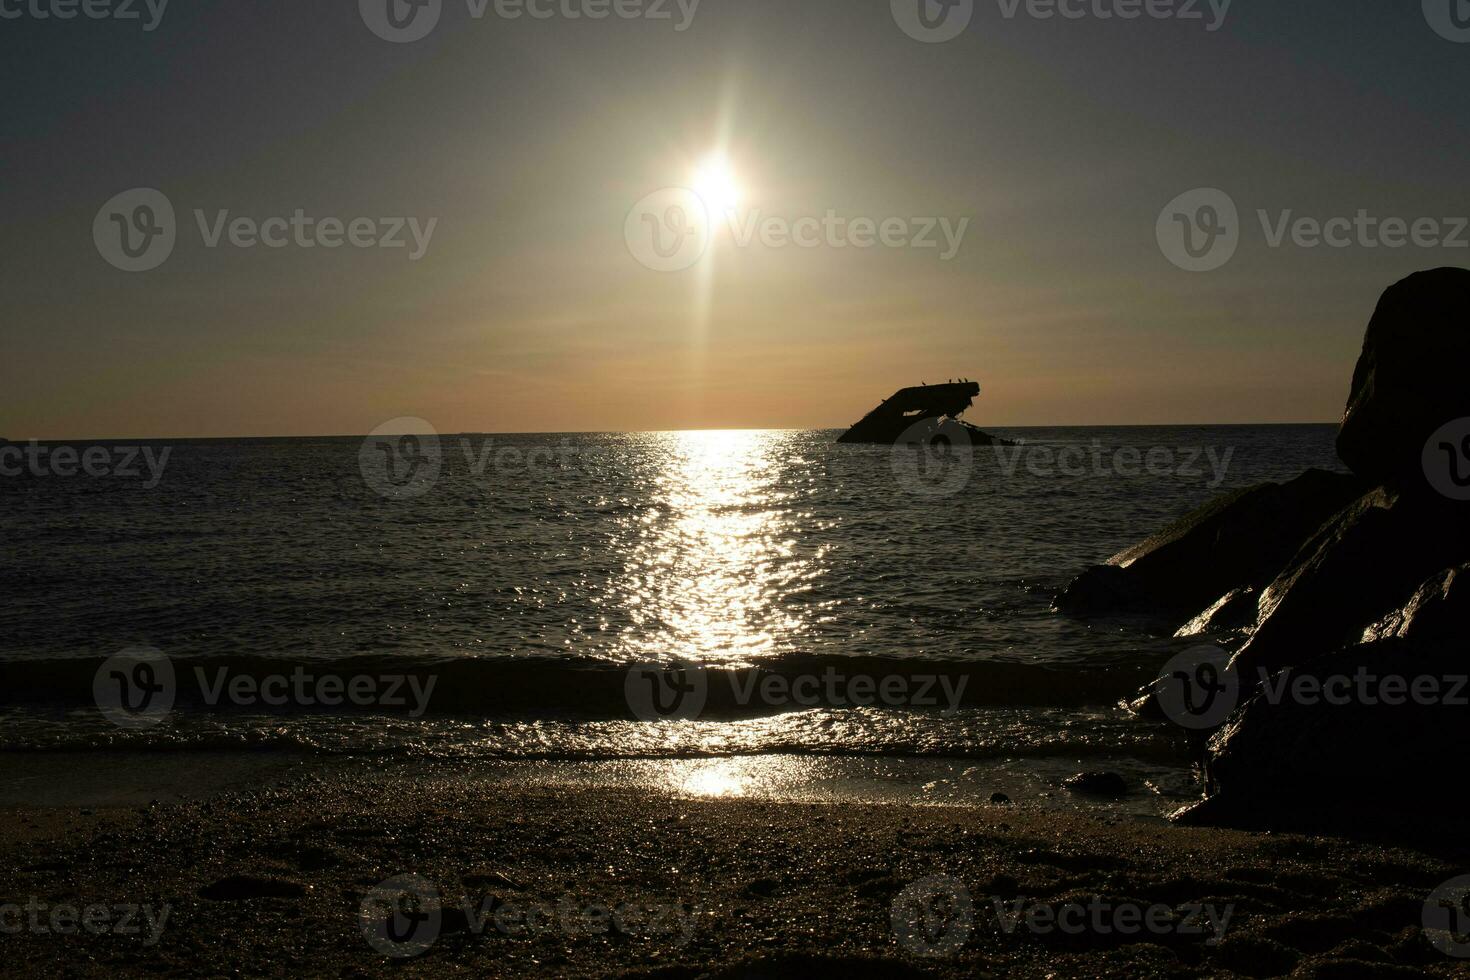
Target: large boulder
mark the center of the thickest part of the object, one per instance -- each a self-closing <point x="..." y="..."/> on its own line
<point x="1357" y="569"/>
<point x="1435" y="615"/>
<point x="1410" y="379"/>
<point x="1373" y="728"/>
<point x="1238" y="541"/>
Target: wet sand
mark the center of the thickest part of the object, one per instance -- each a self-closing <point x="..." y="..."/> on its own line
<point x="272" y="877"/>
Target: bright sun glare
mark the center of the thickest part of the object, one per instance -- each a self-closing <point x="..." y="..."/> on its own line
<point x="714" y="182"/>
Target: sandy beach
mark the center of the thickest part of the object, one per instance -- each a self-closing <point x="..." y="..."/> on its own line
<point x="546" y="881"/>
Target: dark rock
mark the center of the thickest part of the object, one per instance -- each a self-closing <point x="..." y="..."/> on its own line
<point x="859" y="875"/>
<point x="1435" y="615"/>
<point x="312" y="858"/>
<point x="1097" y="784"/>
<point x="1000" y="798"/>
<point x="1360" y="567"/>
<point x="1253" y="956"/>
<point x="1357" y="949"/>
<point x="239" y="887"/>
<point x="1101" y="589"/>
<point x="1340" y="969"/>
<point x="762" y="887"/>
<point x="1382" y="752"/>
<point x="1310" y="932"/>
<point x="1232" y="612"/>
<point x="1359" y="577"/>
<point x="490" y="879"/>
<point x="1240" y="540"/>
<point x="1410" y="378"/>
<point x="770" y="966"/>
<point x="1005" y="886"/>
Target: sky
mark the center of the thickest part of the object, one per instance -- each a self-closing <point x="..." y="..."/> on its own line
<point x="524" y="150"/>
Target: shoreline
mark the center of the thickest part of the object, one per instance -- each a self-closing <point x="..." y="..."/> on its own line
<point x="127" y="777"/>
<point x="737" y="883"/>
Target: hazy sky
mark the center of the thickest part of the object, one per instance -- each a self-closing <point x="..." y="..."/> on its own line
<point x="1061" y="140"/>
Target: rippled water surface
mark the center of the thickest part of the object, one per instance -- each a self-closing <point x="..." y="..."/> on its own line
<point x="526" y="571"/>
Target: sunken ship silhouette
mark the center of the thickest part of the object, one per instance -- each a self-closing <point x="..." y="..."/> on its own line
<point x="927" y="413"/>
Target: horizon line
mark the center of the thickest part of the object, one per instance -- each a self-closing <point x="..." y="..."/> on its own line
<point x="625" y="432"/>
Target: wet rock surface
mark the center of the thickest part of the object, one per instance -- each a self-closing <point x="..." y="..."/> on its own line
<point x="1240" y="540"/>
<point x="1324" y="579"/>
<point x="1367" y="562"/>
<point x="1097" y="784"/>
<point x="1410" y="378"/>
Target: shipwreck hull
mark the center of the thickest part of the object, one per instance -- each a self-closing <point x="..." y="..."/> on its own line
<point x="922" y="414"/>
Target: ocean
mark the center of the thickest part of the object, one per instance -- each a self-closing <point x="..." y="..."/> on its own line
<point x="883" y="612"/>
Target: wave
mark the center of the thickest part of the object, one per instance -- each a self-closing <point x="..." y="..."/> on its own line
<point x="556" y="687"/>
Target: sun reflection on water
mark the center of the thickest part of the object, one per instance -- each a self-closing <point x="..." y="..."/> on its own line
<point x="714" y="562"/>
<point x="715" y="779"/>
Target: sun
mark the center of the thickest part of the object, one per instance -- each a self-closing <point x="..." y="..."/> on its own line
<point x="715" y="183"/>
